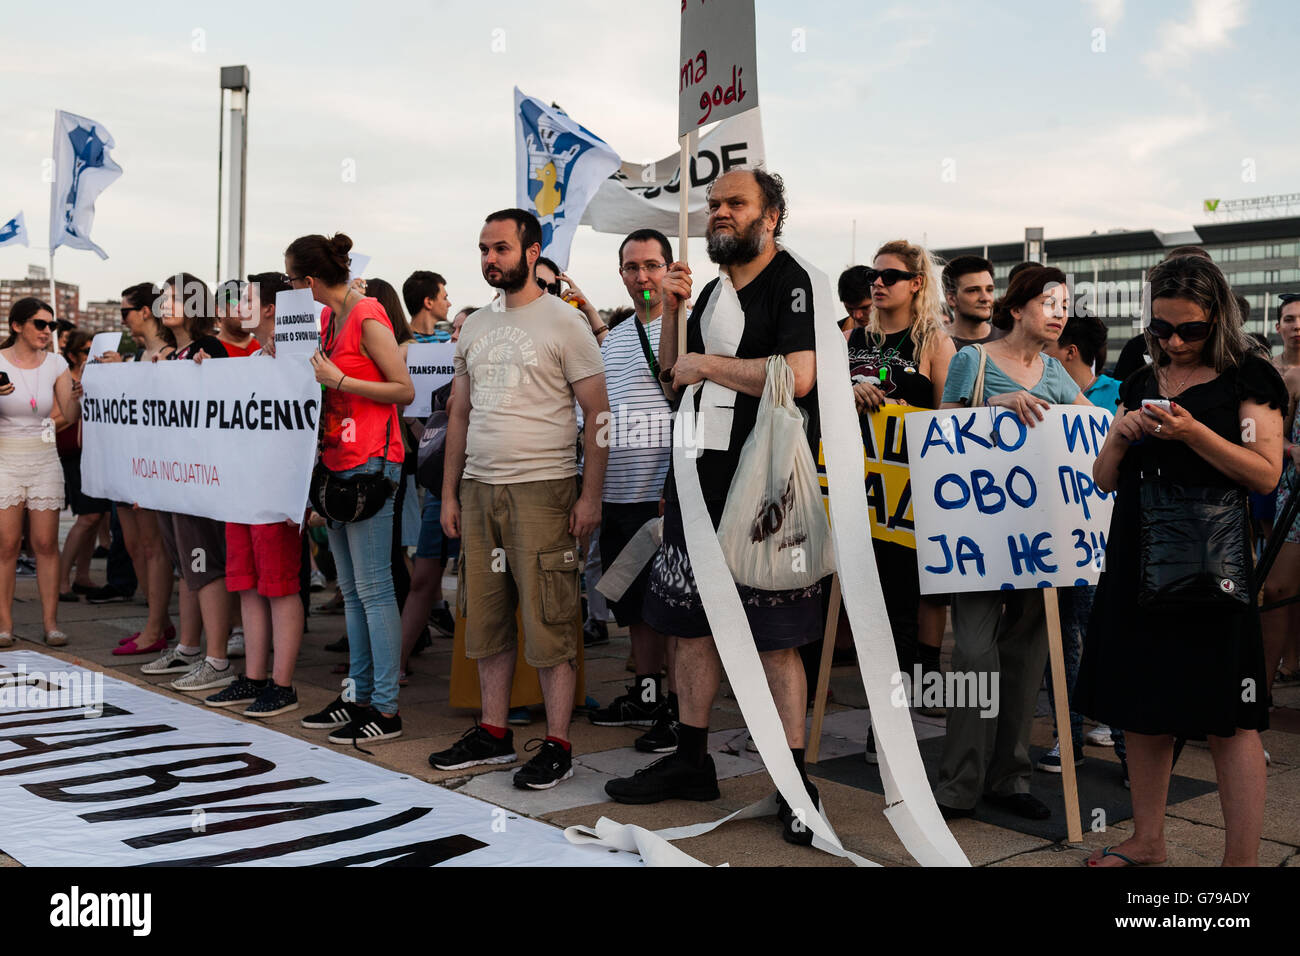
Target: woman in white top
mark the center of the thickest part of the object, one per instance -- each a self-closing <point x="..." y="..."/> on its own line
<point x="31" y="479"/>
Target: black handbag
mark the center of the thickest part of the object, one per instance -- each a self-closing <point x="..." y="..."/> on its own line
<point x="1194" y="552"/>
<point x="348" y="499"/>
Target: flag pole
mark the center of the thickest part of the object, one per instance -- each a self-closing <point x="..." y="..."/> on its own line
<point x="54" y="301"/>
<point x="683" y="228"/>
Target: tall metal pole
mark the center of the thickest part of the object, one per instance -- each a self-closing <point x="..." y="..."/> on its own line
<point x="221" y="142"/>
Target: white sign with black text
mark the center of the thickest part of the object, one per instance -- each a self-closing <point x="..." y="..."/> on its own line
<point x="138" y="779"/>
<point x="297" y="323"/>
<point x="430" y="368"/>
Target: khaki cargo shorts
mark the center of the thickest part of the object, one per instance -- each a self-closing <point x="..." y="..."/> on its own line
<point x="516" y="552"/>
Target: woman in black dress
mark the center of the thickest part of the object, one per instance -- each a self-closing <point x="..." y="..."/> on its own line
<point x="1196" y="673"/>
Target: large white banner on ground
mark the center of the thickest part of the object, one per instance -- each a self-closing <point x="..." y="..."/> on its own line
<point x="231" y="439"/>
<point x="1002" y="506"/>
<point x="98" y="772"/>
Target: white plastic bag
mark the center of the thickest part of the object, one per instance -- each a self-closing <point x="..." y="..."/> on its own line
<point x="774" y="533"/>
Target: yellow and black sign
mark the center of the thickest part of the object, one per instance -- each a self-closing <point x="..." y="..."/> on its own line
<point x="889" y="486"/>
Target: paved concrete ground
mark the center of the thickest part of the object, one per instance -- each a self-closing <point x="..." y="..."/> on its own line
<point x="1194" y="828"/>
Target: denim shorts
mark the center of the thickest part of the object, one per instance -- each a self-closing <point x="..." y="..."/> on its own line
<point x="433" y="544"/>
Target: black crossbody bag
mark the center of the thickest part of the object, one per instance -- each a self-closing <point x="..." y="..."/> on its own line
<point x="1194" y="551"/>
<point x="342" y="500"/>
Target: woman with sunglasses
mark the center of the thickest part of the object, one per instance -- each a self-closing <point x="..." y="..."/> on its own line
<point x="33" y="383"/>
<point x="1195" y="672"/>
<point x="366" y="383"/>
<point x="80" y="542"/>
<point x="900" y="357"/>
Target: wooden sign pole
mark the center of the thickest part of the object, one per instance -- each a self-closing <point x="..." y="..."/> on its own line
<point x="814" y="743"/>
<point x="1052" y="609"/>
<point x="683" y="227"/>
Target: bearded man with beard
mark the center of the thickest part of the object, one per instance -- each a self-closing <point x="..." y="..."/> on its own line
<point x="510" y="493"/>
<point x="746" y="212"/>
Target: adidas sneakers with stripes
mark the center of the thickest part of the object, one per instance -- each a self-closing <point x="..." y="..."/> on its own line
<point x="368" y="726"/>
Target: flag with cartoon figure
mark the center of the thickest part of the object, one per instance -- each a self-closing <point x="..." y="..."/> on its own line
<point x="83" y="168"/>
<point x="559" y="165"/>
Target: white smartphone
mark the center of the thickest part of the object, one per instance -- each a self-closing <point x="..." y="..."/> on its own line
<point x="1161" y="403"/>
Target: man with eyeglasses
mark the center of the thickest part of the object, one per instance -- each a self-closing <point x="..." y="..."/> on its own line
<point x="640" y="446"/>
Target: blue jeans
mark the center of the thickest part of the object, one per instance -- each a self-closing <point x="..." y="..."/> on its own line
<point x="363" y="553"/>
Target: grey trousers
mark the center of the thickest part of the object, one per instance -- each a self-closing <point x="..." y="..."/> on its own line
<point x="982" y="753"/>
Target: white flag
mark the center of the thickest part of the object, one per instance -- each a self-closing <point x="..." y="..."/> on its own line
<point x="83" y="169"/>
<point x="14" y="232"/>
<point x="559" y="165"/>
<point x="646" y="197"/>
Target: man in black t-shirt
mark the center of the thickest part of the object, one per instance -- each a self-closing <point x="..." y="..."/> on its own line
<point x="746" y="212"/>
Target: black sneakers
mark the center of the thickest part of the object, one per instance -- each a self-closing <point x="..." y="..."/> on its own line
<point x="629" y="711"/>
<point x="242" y="691"/>
<point x="659" y="739"/>
<point x="793" y="828"/>
<point x="106" y="595"/>
<point x="475" y="748"/>
<point x="551" y="765"/>
<point x="337" y="713"/>
<point x="272" y="701"/>
<point x="666" y="778"/>
<point x="594" y="633"/>
<point x="441" y="622"/>
<point x="370" y="726"/>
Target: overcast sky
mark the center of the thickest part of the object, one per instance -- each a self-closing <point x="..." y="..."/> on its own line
<point x="955" y="121"/>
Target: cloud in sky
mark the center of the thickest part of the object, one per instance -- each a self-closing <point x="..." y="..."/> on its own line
<point x="1208" y="27"/>
<point x="1108" y="12"/>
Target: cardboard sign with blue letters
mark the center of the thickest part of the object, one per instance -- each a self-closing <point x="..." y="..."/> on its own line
<point x="1002" y="506"/>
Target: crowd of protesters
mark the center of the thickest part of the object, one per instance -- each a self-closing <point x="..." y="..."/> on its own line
<point x="533" y="492"/>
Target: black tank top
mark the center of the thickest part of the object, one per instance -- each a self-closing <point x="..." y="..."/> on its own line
<point x="891" y="365"/>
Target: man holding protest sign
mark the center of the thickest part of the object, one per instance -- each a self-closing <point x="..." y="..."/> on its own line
<point x="1003" y="633"/>
<point x="509" y="491"/>
<point x="747" y="210"/>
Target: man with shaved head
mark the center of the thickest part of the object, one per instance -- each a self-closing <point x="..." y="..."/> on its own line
<point x="747" y="209"/>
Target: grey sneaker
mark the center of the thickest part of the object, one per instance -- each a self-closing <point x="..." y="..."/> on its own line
<point x="172" y="661"/>
<point x="205" y="677"/>
<point x="235" y="643"/>
<point x="240" y="691"/>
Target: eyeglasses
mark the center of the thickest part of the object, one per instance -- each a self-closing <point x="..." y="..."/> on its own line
<point x="888" y="276"/>
<point x="552" y="287"/>
<point x="1188" y="331"/>
<point x="631" y="270"/>
<point x="292" y="279"/>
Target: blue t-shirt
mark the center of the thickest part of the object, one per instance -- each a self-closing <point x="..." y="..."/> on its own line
<point x="1056" y="385"/>
<point x="1104" y="393"/>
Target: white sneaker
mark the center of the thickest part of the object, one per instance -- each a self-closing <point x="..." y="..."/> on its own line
<point x="235" y="643"/>
<point x="1100" y="736"/>
<point x="172" y="661"/>
<point x="204" y="677"/>
<point x="317" y="580"/>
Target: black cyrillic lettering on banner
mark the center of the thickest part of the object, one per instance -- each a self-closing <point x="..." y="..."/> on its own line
<point x="31" y="743"/>
<point x="69" y="713"/>
<point x="162" y="777"/>
<point x="426" y="853"/>
<point x="279" y="813"/>
<point x="114" y="755"/>
<point x="252" y="854"/>
<point x="165" y="808"/>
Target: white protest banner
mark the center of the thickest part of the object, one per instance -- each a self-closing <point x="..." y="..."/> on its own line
<point x="230" y="439"/>
<point x="151" y="781"/>
<point x="297" y="323"/>
<point x="357" y="265"/>
<point x="718" y="67"/>
<point x="429" y="365"/>
<point x="647" y="196"/>
<point x="1003" y="506"/>
<point x="104" y="342"/>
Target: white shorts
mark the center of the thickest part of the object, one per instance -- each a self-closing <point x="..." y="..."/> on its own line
<point x="30" y="474"/>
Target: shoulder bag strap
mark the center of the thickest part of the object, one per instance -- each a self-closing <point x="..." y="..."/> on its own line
<point x="977" y="392"/>
<point x="645" y="347"/>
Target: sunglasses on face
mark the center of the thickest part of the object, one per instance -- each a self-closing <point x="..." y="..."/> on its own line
<point x="1188" y="331"/>
<point x="888" y="276"/>
<point x="40" y="325"/>
<point x="553" y="287"/>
